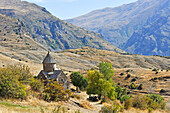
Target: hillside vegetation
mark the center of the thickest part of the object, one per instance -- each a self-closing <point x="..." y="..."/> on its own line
<point x="89" y="58"/>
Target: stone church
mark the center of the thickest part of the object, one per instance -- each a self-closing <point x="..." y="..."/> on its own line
<point x="51" y="72"/>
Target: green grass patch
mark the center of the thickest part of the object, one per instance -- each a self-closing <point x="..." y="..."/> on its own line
<point x="13" y="105"/>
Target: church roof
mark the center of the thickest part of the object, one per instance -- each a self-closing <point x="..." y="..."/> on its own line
<point x="49" y="59"/>
<point x="53" y="75"/>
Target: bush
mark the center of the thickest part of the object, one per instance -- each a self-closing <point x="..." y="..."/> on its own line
<point x="133" y="80"/>
<point x="114" y="108"/>
<point x="121" y="74"/>
<point x="53" y="91"/>
<point x="132" y="86"/>
<point x="162" y="91"/>
<point x="10" y="86"/>
<point x="128" y="103"/>
<point x="78" y="80"/>
<point x="120" y="92"/>
<point x="156" y="98"/>
<point x="155" y="78"/>
<point x="128" y="70"/>
<point x="140" y="87"/>
<point x="140" y="102"/>
<point x="154" y="69"/>
<point x="128" y="75"/>
<point x="156" y="73"/>
<point x="36" y="85"/>
<point x="22" y="72"/>
<point x="124" y="98"/>
<point x="151" y="101"/>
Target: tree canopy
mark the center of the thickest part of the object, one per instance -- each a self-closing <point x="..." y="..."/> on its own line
<point x="107" y="70"/>
<point x="78" y="80"/>
<point x="100" y="82"/>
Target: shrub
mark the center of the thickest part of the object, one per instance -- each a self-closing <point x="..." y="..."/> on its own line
<point x="36" y="84"/>
<point x="162" y="91"/>
<point x="22" y="72"/>
<point x="132" y="86"/>
<point x="156" y="73"/>
<point x="114" y="108"/>
<point x="10" y="87"/>
<point x="133" y="80"/>
<point x="155" y="78"/>
<point x="53" y="91"/>
<point x="159" y="101"/>
<point x="156" y="98"/>
<point x="121" y="74"/>
<point x="124" y="98"/>
<point x="128" y="70"/>
<point x="140" y="102"/>
<point x="150" y="110"/>
<point x="120" y="92"/>
<point x="128" y="75"/>
<point x="140" y="87"/>
<point x="154" y="69"/>
<point x="128" y="103"/>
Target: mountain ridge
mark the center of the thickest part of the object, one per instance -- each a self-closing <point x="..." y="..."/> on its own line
<point x="118" y="24"/>
<point x="51" y="32"/>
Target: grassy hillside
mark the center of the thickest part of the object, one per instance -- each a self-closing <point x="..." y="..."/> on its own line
<point x="84" y="59"/>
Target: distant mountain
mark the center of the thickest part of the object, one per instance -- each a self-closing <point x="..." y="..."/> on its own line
<point x="49" y="31"/>
<point x="126" y="26"/>
<point x="152" y="39"/>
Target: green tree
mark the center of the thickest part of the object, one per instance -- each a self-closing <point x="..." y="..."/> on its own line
<point x="78" y="80"/>
<point x="107" y="70"/>
<point x="98" y="85"/>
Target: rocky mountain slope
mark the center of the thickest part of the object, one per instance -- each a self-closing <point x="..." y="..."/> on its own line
<point x="154" y="38"/>
<point x="121" y="24"/>
<point x="49" y="31"/>
<point x="14" y="35"/>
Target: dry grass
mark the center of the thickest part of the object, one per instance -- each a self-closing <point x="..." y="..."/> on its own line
<point x="86" y="105"/>
<point x="132" y="110"/>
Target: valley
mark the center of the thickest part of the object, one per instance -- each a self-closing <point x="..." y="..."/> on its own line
<point x="142" y="65"/>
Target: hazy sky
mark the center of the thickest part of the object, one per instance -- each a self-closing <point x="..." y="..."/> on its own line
<point x="65" y="9"/>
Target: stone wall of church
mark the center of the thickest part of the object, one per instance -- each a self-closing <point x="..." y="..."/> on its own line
<point x="49" y="67"/>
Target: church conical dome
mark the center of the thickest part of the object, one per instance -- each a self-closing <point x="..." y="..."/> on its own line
<point x="49" y="59"/>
